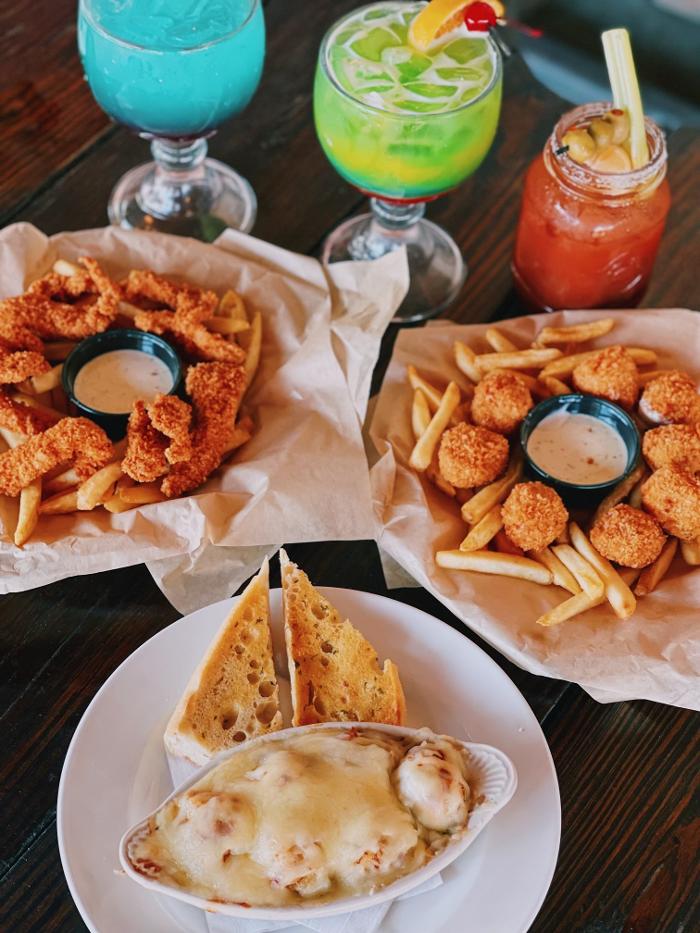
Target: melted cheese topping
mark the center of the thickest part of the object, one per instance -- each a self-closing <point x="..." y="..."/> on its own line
<point x="321" y="815"/>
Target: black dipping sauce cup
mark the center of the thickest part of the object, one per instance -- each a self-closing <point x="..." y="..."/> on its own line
<point x="577" y="404"/>
<point x="118" y="339"/>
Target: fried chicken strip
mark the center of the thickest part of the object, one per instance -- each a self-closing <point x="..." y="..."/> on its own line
<point x="20" y="365"/>
<point x="145" y="458"/>
<point x="172" y="417"/>
<point x="22" y="419"/>
<point x="194" y="337"/>
<point x="216" y="390"/>
<point x="75" y="439"/>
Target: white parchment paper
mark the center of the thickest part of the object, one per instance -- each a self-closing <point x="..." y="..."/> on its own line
<point x="653" y="655"/>
<point x="302" y="477"/>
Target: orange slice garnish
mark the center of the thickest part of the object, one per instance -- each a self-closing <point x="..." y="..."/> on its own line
<point x="440" y="17"/>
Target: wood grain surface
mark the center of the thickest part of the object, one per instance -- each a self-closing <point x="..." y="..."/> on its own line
<point x="628" y="772"/>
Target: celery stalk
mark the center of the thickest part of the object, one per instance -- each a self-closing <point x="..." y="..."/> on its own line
<point x="625" y="89"/>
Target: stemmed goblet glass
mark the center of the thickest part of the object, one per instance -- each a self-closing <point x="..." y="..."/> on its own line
<point x="173" y="71"/>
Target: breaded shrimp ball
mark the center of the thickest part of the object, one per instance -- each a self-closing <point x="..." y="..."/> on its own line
<point x="673" y="498"/>
<point x="533" y="516"/>
<point x="472" y="456"/>
<point x="628" y="536"/>
<point x="676" y="445"/>
<point x="610" y="374"/>
<point x="501" y="401"/>
<point x="671" y="398"/>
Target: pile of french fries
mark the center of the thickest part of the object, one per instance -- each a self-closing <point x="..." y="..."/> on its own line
<point x="571" y="563"/>
<point x="60" y="491"/>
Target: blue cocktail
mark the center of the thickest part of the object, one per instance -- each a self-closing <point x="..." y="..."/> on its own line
<point x="173" y="71"/>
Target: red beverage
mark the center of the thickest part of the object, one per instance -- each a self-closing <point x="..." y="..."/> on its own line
<point x="586" y="238"/>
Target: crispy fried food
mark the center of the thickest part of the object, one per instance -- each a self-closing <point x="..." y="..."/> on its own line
<point x="20" y="418"/>
<point x="671" y="398"/>
<point x="501" y="401"/>
<point x="145" y="458"/>
<point x="18" y="365"/>
<point x="610" y="374"/>
<point x="673" y="498"/>
<point x="75" y="439"/>
<point x="628" y="536"/>
<point x="216" y="390"/>
<point x="172" y="417"/>
<point x="181" y="312"/>
<point x="533" y="516"/>
<point x="472" y="456"/>
<point x="673" y="445"/>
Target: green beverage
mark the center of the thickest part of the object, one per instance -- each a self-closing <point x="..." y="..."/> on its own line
<point x="398" y="123"/>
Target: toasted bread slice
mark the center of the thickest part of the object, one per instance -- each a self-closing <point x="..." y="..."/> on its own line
<point x="233" y="694"/>
<point x="334" y="671"/>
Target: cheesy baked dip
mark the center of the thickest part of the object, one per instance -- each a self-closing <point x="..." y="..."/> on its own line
<point x="310" y="817"/>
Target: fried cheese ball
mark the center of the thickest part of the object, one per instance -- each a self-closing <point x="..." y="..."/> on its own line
<point x="472" y="456"/>
<point x="676" y="445"/>
<point x="672" y="496"/>
<point x="501" y="401"/>
<point x="533" y="516"/>
<point x="628" y="536"/>
<point x="610" y="374"/>
<point x="671" y="398"/>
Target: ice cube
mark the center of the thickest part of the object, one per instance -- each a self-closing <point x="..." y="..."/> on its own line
<point x="372" y="44"/>
<point x="464" y="50"/>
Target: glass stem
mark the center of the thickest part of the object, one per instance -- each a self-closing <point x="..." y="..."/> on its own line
<point x="179" y="185"/>
<point x="390" y="226"/>
<point x="396" y="216"/>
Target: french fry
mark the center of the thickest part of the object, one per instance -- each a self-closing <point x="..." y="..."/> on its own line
<point x="226" y="325"/>
<point x="433" y="396"/>
<point x="629" y="575"/>
<point x="425" y="445"/>
<point x="252" y="357"/>
<point x="565" y="365"/>
<point x="488" y="496"/>
<point x="116" y="504"/>
<point x="62" y="481"/>
<point x="484" y="531"/>
<point x="561" y="574"/>
<point x="507" y="565"/>
<point x="142" y="494"/>
<point x="11" y="438"/>
<point x="33" y="402"/>
<point x="635" y="496"/>
<point x="498" y="341"/>
<point x="98" y="487"/>
<point x="29" y="501"/>
<point x="691" y="552"/>
<point x="59" y="350"/>
<point x="564" y="537"/>
<point x="61" y="503"/>
<point x="505" y="545"/>
<point x="47" y="381"/>
<point x="585" y="574"/>
<point x="465" y="358"/>
<point x="420" y="414"/>
<point x="617" y="592"/>
<point x="437" y="479"/>
<point x="239" y="436"/>
<point x="555" y="386"/>
<point x="126" y="309"/>
<point x="644" y="378"/>
<point x="619" y="492"/>
<point x="517" y="359"/>
<point x="232" y="306"/>
<point x="571" y="607"/>
<point x="63" y="267"/>
<point x="576" y="333"/>
<point x="652" y="575"/>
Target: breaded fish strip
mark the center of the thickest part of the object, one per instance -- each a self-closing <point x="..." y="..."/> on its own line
<point x="75" y="439"/>
<point x="145" y="458"/>
<point x="216" y="390"/>
<point x="22" y="419"/>
<point x="172" y="417"/>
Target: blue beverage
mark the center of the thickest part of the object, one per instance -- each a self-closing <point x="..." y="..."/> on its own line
<point x="172" y="68"/>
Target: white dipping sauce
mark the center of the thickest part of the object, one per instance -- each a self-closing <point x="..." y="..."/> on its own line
<point x="113" y="381"/>
<point x="577" y="448"/>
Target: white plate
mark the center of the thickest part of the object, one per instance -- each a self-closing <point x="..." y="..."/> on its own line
<point x="116" y="772"/>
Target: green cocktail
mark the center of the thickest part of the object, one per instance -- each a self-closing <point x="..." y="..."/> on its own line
<point x="405" y="127"/>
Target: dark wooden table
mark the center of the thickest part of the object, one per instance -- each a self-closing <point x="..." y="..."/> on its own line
<point x="628" y="772"/>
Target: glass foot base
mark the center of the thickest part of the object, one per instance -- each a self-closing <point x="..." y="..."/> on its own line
<point x="437" y="269"/>
<point x="202" y="207"/>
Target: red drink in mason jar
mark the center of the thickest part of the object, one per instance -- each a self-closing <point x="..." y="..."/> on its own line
<point x="588" y="238"/>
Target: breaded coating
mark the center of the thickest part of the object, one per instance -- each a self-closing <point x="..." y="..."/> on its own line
<point x="145" y="458"/>
<point x="75" y="439"/>
<point x="172" y="417"/>
<point x="501" y="401"/>
<point x="194" y="338"/>
<point x="20" y="418"/>
<point x="671" y="398"/>
<point x="20" y="365"/>
<point x="673" y="498"/>
<point x="675" y="445"/>
<point x="628" y="536"/>
<point x="470" y="455"/>
<point x="215" y="390"/>
<point x="533" y="516"/>
<point x="610" y="374"/>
